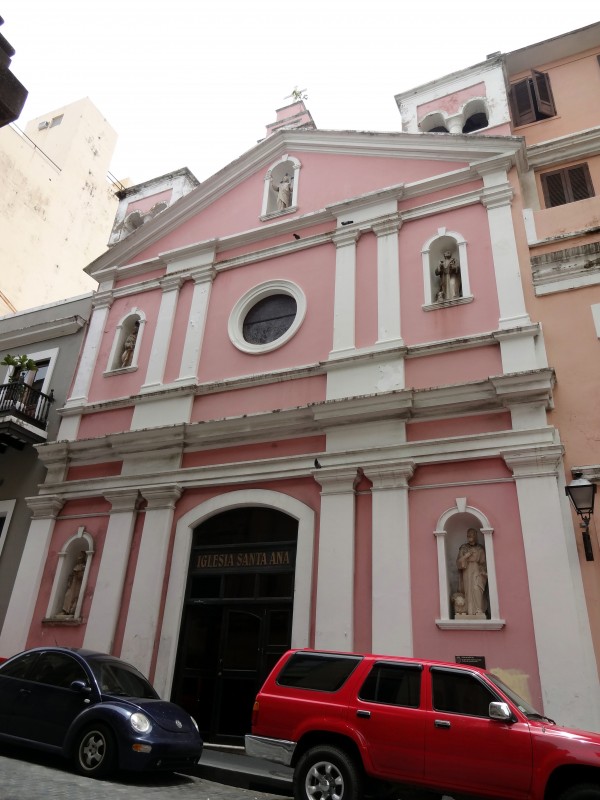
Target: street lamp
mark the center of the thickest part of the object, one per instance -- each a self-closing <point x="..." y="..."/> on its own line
<point x="582" y="493"/>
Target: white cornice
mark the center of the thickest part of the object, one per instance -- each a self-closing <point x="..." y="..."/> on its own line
<point x="434" y="89"/>
<point x="480" y="446"/>
<point x="577" y="145"/>
<point x="42" y="331"/>
<point x="489" y="395"/>
<point x="460" y="148"/>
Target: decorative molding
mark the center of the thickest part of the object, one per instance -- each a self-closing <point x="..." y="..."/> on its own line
<point x="159" y="497"/>
<point x="470" y="624"/>
<point x="536" y="462"/>
<point x="336" y="480"/>
<point x="122" y="500"/>
<point x="571" y="147"/>
<point x="34" y="334"/>
<point x="497" y="196"/>
<point x="395" y="475"/>
<point x="45" y="506"/>
<point x="570" y="268"/>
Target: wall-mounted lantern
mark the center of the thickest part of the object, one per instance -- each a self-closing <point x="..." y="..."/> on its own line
<point x="582" y="494"/>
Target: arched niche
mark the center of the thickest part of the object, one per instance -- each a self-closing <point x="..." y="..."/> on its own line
<point x="127" y="341"/>
<point x="71" y="577"/>
<point x="445" y="270"/>
<point x="280" y="191"/>
<point x="451" y="533"/>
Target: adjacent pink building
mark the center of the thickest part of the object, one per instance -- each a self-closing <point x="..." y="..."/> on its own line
<point x="302" y="384"/>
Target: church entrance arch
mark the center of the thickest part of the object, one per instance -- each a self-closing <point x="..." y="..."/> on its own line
<point x="237" y="616"/>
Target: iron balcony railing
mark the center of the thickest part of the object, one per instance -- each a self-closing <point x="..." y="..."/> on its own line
<point x="25" y="403"/>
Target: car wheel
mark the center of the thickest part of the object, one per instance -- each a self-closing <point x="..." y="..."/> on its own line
<point x="327" y="773"/>
<point x="582" y="791"/>
<point x="96" y="753"/>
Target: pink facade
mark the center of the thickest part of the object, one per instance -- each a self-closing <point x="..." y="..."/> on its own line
<point x="300" y="387"/>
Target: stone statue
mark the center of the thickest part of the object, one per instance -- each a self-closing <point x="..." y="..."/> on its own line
<point x="129" y="346"/>
<point x="448" y="272"/>
<point x="74" y="582"/>
<point x="472" y="578"/>
<point x="284" y="192"/>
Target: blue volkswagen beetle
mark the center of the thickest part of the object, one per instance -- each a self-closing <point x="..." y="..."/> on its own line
<point x="94" y="709"/>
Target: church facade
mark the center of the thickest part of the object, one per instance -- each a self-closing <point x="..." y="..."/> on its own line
<point x="311" y="410"/>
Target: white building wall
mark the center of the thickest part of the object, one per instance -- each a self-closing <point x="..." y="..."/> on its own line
<point x="56" y="205"/>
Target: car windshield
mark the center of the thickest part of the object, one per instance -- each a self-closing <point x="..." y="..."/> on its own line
<point x="115" y="677"/>
<point x="523" y="706"/>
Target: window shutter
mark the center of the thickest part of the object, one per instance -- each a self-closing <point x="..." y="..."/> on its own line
<point x="555" y="191"/>
<point x="521" y="97"/>
<point x="579" y="178"/>
<point x="567" y="185"/>
<point x="543" y="93"/>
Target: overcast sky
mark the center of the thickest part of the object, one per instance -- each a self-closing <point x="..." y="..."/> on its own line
<point x="194" y="82"/>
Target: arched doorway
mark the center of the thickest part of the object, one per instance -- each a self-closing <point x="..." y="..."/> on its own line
<point x="237" y="616"/>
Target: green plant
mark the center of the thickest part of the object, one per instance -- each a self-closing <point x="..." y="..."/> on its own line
<point x="20" y="363"/>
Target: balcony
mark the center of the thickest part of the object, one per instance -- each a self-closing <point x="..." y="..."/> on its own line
<point x="23" y="415"/>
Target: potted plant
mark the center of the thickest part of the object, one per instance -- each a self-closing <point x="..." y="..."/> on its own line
<point x="19" y="364"/>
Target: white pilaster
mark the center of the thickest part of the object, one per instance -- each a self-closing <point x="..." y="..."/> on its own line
<point x="391" y="592"/>
<point x="106" y="604"/>
<point x="561" y="625"/>
<point x="83" y="378"/>
<point x="144" y="605"/>
<point x="335" y="582"/>
<point x="162" y="335"/>
<point x="497" y="198"/>
<point x="21" y="607"/>
<point x="388" y="280"/>
<point x="203" y="278"/>
<point x="344" y="310"/>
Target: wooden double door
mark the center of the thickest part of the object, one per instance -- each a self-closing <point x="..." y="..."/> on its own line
<point x="237" y="619"/>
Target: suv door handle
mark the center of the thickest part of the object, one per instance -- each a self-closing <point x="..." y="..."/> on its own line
<point x="442" y="723"/>
<point x="361" y="713"/>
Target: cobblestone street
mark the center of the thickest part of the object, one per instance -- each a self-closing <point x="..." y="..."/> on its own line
<point x="37" y="776"/>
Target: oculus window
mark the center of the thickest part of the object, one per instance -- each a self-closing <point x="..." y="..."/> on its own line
<point x="267" y="316"/>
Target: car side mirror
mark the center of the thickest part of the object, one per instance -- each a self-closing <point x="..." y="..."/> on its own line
<point x="500" y="711"/>
<point x="81" y="686"/>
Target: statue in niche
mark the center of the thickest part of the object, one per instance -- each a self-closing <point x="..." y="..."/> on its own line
<point x="74" y="582"/>
<point x="129" y="347"/>
<point x="470" y="600"/>
<point x="283" y="192"/>
<point x="448" y="273"/>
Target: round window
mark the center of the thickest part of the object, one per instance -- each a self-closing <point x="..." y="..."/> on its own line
<point x="267" y="316"/>
<point x="269" y="319"/>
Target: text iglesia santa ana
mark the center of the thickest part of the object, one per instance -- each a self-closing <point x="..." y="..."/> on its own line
<point x="261" y="558"/>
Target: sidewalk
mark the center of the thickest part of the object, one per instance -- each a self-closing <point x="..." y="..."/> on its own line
<point x="234" y="768"/>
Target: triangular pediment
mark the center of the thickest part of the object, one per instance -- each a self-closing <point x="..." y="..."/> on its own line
<point x="436" y="162"/>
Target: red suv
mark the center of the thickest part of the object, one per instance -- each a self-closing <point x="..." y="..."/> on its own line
<point x="349" y="723"/>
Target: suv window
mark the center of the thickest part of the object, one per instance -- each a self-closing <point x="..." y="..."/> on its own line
<point x="394" y="684"/>
<point x="318" y="671"/>
<point x="460" y="693"/>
